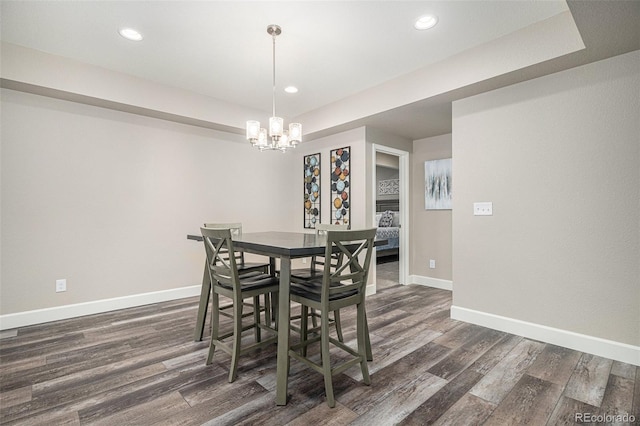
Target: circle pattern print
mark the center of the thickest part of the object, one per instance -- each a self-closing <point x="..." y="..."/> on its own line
<point x="341" y="186"/>
<point x="311" y="171"/>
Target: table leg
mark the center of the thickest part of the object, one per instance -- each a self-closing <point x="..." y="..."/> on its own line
<point x="205" y="293"/>
<point x="284" y="307"/>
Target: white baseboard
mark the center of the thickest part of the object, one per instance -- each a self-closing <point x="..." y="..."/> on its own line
<point x="39" y="316"/>
<point x="580" y="342"/>
<point x="430" y="282"/>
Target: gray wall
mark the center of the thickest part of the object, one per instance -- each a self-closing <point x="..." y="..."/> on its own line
<point x="430" y="229"/>
<point x="105" y="199"/>
<point x="559" y="157"/>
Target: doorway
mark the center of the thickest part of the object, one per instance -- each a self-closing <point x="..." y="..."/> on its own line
<point x="390" y="183"/>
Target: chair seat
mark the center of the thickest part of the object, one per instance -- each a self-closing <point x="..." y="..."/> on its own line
<point x="254" y="280"/>
<point x="305" y="274"/>
<point x="312" y="289"/>
<point x="252" y="266"/>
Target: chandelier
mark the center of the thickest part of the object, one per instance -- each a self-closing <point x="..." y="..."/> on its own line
<point x="277" y="137"/>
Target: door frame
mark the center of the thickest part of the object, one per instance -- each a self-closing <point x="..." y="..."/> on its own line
<point x="403" y="198"/>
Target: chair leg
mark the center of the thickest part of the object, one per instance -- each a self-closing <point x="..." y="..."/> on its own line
<point x="237" y="336"/>
<point x="361" y="331"/>
<point x="256" y="317"/>
<point x="215" y="326"/>
<point x="274" y="310"/>
<point x="366" y="336"/>
<point x="267" y="309"/>
<point x="326" y="360"/>
<point x="314" y="318"/>
<point x="338" y="324"/>
<point x="304" y="329"/>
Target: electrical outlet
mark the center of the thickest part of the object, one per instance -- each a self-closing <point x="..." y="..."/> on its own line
<point x="432" y="263"/>
<point x="61" y="285"/>
<point x="304" y="260"/>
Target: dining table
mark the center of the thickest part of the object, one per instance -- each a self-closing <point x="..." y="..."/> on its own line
<point x="284" y="246"/>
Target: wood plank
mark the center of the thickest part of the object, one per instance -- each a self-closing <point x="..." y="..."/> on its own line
<point x="467" y="354"/>
<point x="618" y="396"/>
<point x="444" y="399"/>
<point x="260" y="411"/>
<point x="530" y="402"/>
<point x="400" y="403"/>
<point x="468" y="410"/>
<point x="141" y="392"/>
<point x="6" y="334"/>
<point x="623" y="369"/>
<point x="568" y="411"/>
<point x="64" y="419"/>
<point x="15" y="397"/>
<point x="429" y="411"/>
<point x="459" y="335"/>
<point x="394" y="376"/>
<point x="211" y="401"/>
<point x="152" y="412"/>
<point x="322" y="415"/>
<point x="19" y="366"/>
<point x="387" y="351"/>
<point x="589" y="380"/>
<point x="555" y="364"/>
<point x="501" y="379"/>
<point x="441" y="321"/>
<point x="75" y="397"/>
<point x="495" y="354"/>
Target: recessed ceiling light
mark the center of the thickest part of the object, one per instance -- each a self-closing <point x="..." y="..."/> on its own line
<point x="426" y="22"/>
<point x="130" y="34"/>
<point x="291" y="89"/>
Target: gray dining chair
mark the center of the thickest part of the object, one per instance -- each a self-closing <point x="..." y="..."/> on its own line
<point x="315" y="270"/>
<point x="339" y="288"/>
<point x="243" y="268"/>
<point x="226" y="281"/>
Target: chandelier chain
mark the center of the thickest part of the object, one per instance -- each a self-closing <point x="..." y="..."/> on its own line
<point x="274" y="72"/>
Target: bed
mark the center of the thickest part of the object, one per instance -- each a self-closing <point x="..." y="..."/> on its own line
<point x="390" y="233"/>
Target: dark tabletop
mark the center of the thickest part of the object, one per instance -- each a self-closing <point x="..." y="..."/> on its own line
<point x="290" y="244"/>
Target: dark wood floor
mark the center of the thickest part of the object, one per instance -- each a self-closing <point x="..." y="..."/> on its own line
<point x="140" y="366"/>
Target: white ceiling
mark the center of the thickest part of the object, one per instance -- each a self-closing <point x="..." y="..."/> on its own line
<point x="330" y="50"/>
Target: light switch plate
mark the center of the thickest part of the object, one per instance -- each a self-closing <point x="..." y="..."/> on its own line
<point x="483" y="209"/>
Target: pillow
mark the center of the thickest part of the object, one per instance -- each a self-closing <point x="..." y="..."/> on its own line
<point x="386" y="219"/>
<point x="378" y="216"/>
<point x="396" y="219"/>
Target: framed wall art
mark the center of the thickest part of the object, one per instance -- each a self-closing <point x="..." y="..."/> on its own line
<point x="389" y="187"/>
<point x="311" y="166"/>
<point x="437" y="182"/>
<point x="341" y="186"/>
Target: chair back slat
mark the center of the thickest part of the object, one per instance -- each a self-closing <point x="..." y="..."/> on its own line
<point x="355" y="248"/>
<point x="236" y="230"/>
<point x="222" y="267"/>
<point x="335" y="259"/>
